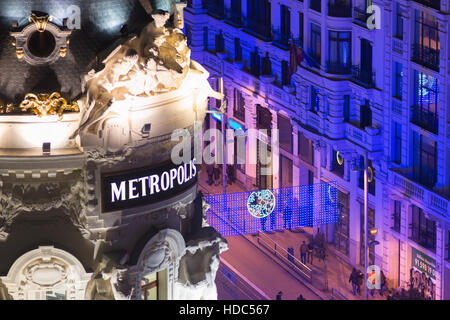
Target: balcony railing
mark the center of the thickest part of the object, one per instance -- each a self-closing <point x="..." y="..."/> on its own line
<point x="259" y="29"/>
<point x="414" y="190"/>
<point x="426" y="56"/>
<point x="280" y="37"/>
<point x="361" y="16"/>
<point x="314" y="56"/>
<point x="424" y="118"/>
<point x="338" y="68"/>
<point x="435" y="4"/>
<point x="298" y="42"/>
<point x="233" y="17"/>
<point x="367" y="78"/>
<point x="315" y="5"/>
<point x="340" y="9"/>
<point x="367" y="137"/>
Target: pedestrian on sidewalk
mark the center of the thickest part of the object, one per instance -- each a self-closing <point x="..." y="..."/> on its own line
<point x="310" y="251"/>
<point x="303" y="250"/>
<point x="216" y="175"/>
<point x="287" y="217"/>
<point x="273" y="220"/>
<point x="230" y="174"/>
<point x="383" y="283"/>
<point x="354" y="280"/>
<point x="359" y="282"/>
<point x="210" y="172"/>
<point x="279" y="295"/>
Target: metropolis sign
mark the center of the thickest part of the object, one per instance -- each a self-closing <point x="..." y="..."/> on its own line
<point x="146" y="185"/>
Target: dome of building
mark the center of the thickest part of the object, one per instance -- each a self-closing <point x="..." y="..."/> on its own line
<point x="94" y="25"/>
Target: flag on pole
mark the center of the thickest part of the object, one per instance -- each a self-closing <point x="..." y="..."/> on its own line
<point x="296" y="57"/>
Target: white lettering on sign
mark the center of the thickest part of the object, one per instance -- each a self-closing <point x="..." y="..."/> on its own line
<point x="144" y="189"/>
<point x="116" y="192"/>
<point x="132" y="189"/>
<point x="149" y="185"/>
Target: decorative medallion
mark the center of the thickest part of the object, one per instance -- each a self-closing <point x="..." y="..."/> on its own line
<point x="261" y="203"/>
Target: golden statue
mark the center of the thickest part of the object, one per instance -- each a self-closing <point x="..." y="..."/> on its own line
<point x="41" y="105"/>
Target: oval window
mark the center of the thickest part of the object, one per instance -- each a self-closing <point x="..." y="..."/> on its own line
<point x="41" y="44"/>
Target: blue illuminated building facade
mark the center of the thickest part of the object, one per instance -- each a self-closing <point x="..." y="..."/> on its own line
<point x="377" y="85"/>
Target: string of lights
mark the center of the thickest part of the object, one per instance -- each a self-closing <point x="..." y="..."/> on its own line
<point x="273" y="209"/>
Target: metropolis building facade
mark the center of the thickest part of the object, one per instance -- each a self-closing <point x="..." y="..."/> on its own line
<point x="91" y="204"/>
<point x="374" y="81"/>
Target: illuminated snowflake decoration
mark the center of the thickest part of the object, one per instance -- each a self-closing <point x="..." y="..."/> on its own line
<point x="261" y="203"/>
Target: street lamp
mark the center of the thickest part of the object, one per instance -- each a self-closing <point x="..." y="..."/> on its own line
<point x="366" y="247"/>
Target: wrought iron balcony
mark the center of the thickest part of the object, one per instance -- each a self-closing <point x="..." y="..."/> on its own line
<point x="298" y="42"/>
<point x="361" y="16"/>
<point x="258" y="28"/>
<point x="338" y="68"/>
<point x="366" y="78"/>
<point x="425" y="56"/>
<point x="341" y="9"/>
<point x="424" y="118"/>
<point x="315" y="5"/>
<point x="435" y="4"/>
<point x="234" y="17"/>
<point x="280" y="37"/>
<point x="315" y="57"/>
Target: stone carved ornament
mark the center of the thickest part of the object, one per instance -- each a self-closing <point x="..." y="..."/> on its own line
<point x="152" y="63"/>
<point x="73" y="203"/>
<point x="180" y="209"/>
<point x="198" y="267"/>
<point x="205" y="208"/>
<point x="107" y="283"/>
<point x="44" y="269"/>
<point x="157" y="257"/>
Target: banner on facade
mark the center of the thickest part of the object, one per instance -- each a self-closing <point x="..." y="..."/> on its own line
<point x="423" y="263"/>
